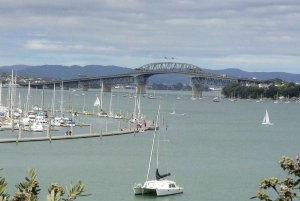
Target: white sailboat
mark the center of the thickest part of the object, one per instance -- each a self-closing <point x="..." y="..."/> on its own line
<point x="97" y="103"/>
<point x="266" y="120"/>
<point x="159" y="186"/>
<point x="152" y="96"/>
<point x="102" y="113"/>
<point x="193" y="97"/>
<point x="173" y="109"/>
<point x="37" y="127"/>
<point x="287" y="99"/>
<point x="218" y="97"/>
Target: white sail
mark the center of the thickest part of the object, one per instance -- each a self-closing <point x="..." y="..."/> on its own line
<point x="97" y="102"/>
<point x="173" y="109"/>
<point x="266" y="120"/>
<point x="267" y="117"/>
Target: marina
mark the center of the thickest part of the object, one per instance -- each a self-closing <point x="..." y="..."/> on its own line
<point x="213" y="144"/>
<point x="149" y="100"/>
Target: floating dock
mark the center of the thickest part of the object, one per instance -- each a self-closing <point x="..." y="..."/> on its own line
<point x="48" y="137"/>
<point x="67" y="137"/>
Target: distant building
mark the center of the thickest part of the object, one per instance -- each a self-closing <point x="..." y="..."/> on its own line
<point x="261" y="85"/>
<point x="251" y="84"/>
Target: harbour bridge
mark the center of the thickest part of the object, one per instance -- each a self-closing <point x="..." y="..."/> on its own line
<point x="139" y="76"/>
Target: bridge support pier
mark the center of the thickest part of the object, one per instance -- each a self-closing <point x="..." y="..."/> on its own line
<point x="85" y="88"/>
<point x="106" y="88"/>
<point x="196" y="90"/>
<point x="141" y="88"/>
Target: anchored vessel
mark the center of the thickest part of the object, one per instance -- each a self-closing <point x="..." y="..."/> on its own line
<point x="160" y="186"/>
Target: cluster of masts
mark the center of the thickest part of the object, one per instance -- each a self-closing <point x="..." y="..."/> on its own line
<point x="136" y="117"/>
<point x="13" y="116"/>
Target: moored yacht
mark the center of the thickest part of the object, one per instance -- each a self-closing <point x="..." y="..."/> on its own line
<point x="158" y="186"/>
<point x="36" y="127"/>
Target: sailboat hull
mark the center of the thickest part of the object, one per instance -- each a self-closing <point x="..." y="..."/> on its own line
<point x="157" y="192"/>
<point x="165" y="192"/>
<point x="267" y="123"/>
<point x="158" y="188"/>
<point x="142" y="191"/>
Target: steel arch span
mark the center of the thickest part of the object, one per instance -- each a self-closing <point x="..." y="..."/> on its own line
<point x="170" y="67"/>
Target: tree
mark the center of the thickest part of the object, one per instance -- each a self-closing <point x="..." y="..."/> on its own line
<point x="287" y="186"/>
<point x="272" y="91"/>
<point x="178" y="86"/>
<point x="287" y="90"/>
<point x="29" y="190"/>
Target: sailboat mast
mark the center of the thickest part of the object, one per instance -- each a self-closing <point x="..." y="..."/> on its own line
<point x="53" y="100"/>
<point x="19" y="103"/>
<point x="15" y="91"/>
<point x="139" y="107"/>
<point x="1" y="92"/>
<point x="110" y="104"/>
<point x="98" y="105"/>
<point x="101" y="96"/>
<point x="28" y="95"/>
<point x="61" y="98"/>
<point x="42" y="104"/>
<point x="155" y="130"/>
<point x="134" y="111"/>
<point x="11" y="94"/>
<point x="157" y="153"/>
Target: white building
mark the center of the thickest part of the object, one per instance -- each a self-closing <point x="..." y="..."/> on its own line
<point x="263" y="85"/>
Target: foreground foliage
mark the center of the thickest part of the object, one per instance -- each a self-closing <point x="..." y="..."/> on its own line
<point x="287" y="187"/>
<point x="29" y="190"/>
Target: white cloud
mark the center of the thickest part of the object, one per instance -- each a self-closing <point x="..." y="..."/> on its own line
<point x="133" y="32"/>
<point x="45" y="45"/>
<point x="60" y="46"/>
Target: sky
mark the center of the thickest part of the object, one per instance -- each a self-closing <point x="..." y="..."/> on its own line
<point x="252" y="35"/>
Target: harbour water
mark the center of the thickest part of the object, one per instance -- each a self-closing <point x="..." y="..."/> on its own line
<point x="218" y="151"/>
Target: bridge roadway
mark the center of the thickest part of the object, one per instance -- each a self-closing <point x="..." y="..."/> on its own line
<point x="139" y="76"/>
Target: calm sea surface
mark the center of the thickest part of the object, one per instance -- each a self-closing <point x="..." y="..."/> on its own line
<point x="218" y="151"/>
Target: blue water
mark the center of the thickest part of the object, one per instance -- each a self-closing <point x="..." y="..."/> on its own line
<point x="218" y="151"/>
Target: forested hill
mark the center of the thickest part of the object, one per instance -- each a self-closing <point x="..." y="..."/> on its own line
<point x="288" y="77"/>
<point x="68" y="72"/>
